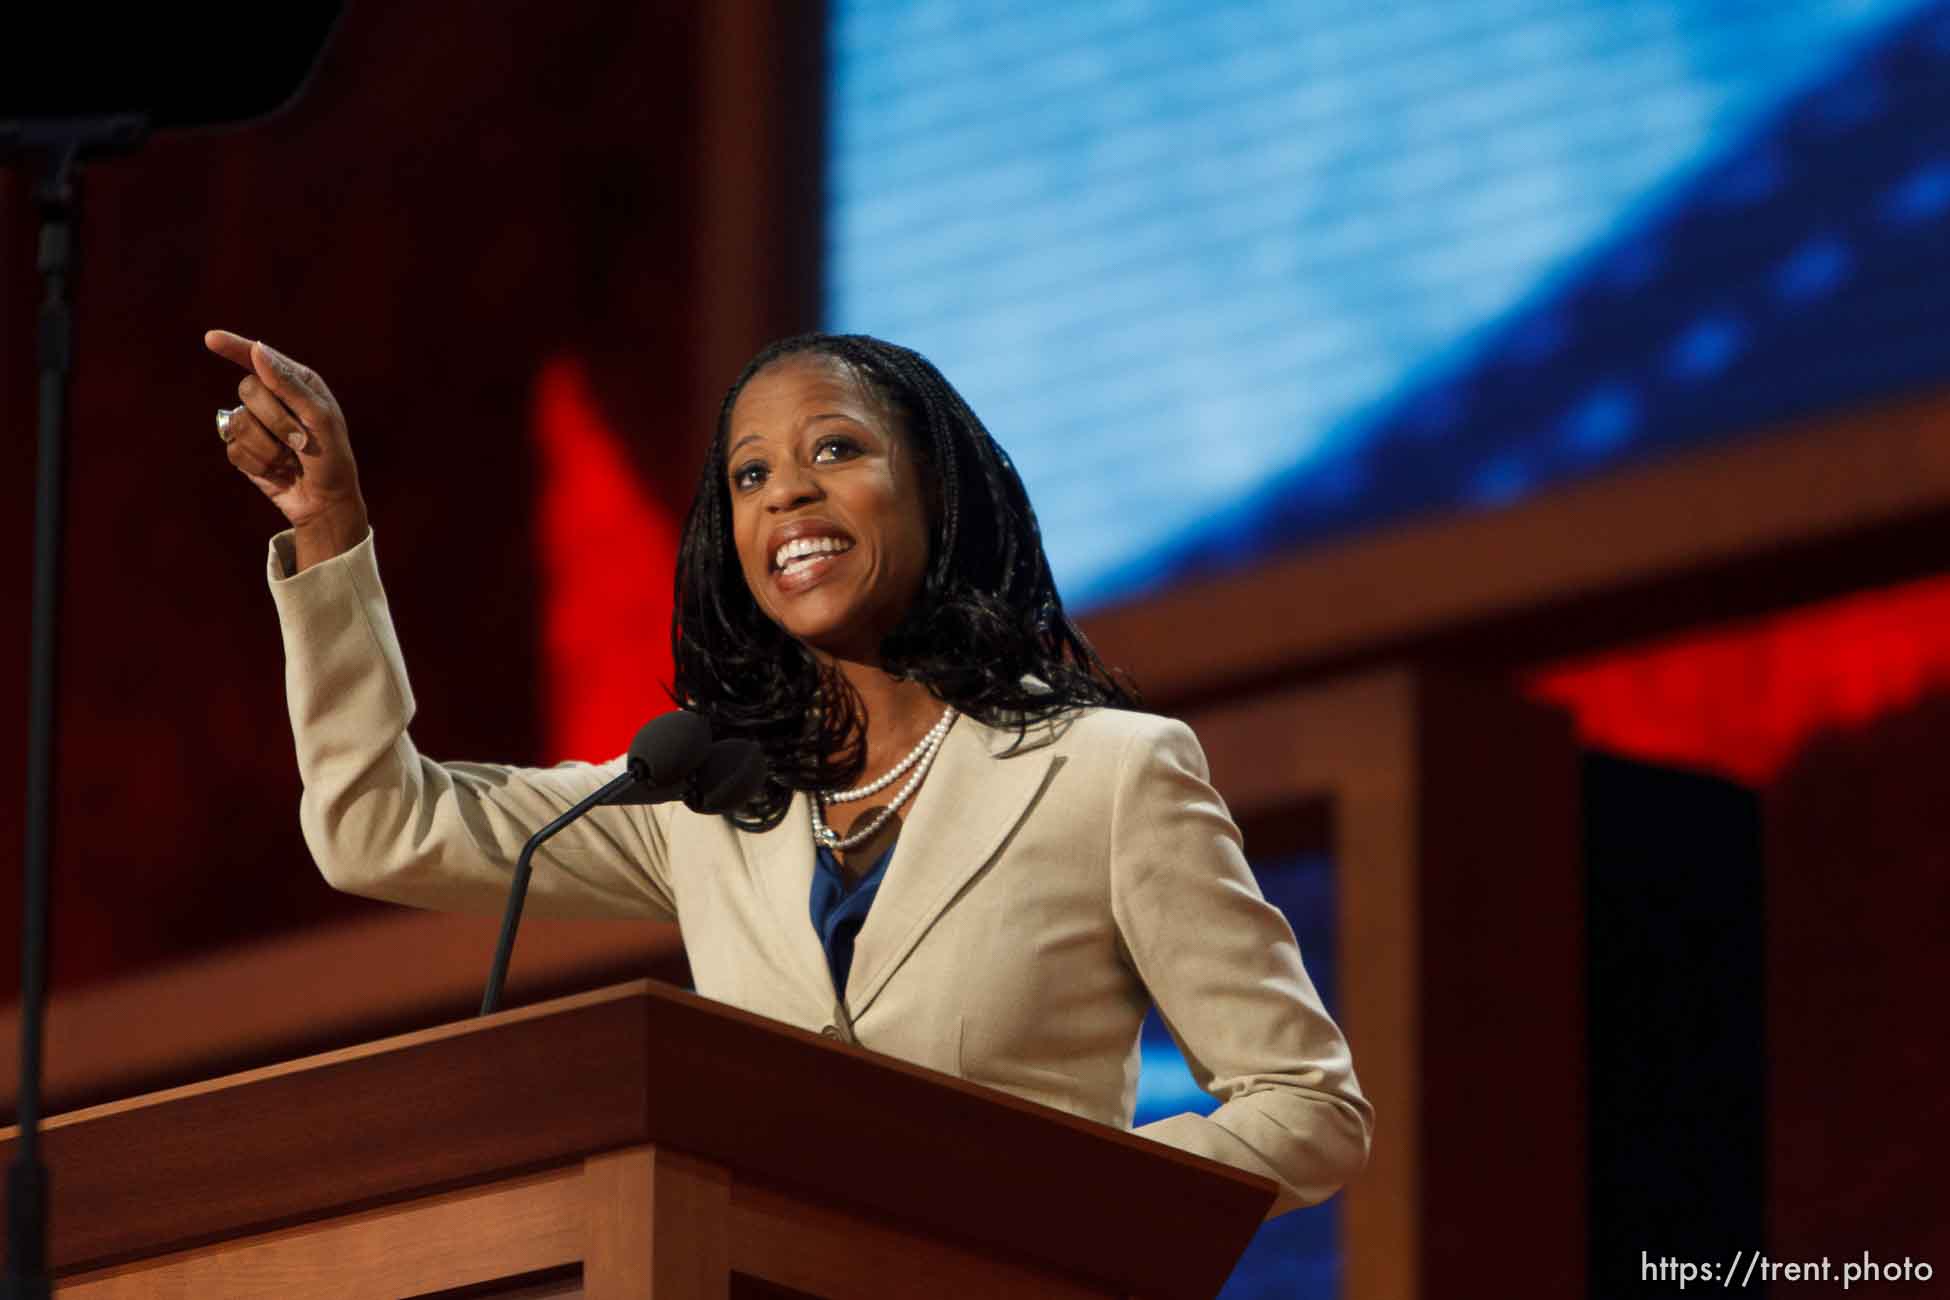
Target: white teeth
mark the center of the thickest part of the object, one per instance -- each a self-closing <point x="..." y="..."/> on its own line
<point x="806" y="547"/>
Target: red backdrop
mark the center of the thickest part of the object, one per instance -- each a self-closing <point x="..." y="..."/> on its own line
<point x="485" y="235"/>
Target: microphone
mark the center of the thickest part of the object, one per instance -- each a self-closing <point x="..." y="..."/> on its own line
<point x="730" y="775"/>
<point x="667" y="752"/>
<point x="667" y="749"/>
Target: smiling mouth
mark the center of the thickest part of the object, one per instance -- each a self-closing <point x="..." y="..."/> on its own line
<point x="798" y="557"/>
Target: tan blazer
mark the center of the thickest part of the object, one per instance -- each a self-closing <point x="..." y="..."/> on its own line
<point x="1037" y="902"/>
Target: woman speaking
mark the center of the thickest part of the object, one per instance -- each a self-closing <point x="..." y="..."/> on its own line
<point x="971" y="852"/>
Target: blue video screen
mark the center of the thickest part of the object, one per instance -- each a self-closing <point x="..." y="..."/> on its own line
<point x="1230" y="277"/>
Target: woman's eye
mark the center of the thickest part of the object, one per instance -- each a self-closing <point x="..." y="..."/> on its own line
<point x="747" y="476"/>
<point x="835" y="449"/>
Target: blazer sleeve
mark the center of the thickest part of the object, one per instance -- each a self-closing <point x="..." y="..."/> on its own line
<point x="1225" y="971"/>
<point x="384" y="822"/>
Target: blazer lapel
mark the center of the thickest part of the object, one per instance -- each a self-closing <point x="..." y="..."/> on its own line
<point x="966" y="808"/>
<point x="782" y="861"/>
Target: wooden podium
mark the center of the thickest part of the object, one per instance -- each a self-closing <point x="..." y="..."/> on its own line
<point x="634" y="1141"/>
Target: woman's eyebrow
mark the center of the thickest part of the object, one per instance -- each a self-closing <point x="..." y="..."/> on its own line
<point x="811" y="420"/>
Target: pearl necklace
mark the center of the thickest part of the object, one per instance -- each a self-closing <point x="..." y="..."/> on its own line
<point x="920" y="758"/>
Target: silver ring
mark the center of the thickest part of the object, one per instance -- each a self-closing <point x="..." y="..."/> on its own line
<point x="223" y="426"/>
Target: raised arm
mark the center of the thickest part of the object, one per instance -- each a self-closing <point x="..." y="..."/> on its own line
<point x="380" y="819"/>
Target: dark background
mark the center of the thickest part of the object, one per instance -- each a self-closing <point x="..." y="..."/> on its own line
<point x="455" y="200"/>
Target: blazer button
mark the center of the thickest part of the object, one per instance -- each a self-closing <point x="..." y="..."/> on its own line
<point x="831" y="1031"/>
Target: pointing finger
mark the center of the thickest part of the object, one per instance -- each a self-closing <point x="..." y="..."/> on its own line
<point x="231" y="347"/>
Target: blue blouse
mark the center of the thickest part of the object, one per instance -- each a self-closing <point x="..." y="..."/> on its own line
<point x="838" y="911"/>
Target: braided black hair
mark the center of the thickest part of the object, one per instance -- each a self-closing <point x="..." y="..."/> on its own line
<point x="987" y="632"/>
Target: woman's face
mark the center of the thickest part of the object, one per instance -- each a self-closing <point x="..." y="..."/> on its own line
<point x="827" y="506"/>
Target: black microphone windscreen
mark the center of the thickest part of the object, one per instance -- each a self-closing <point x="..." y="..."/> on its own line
<point x="732" y="774"/>
<point x="669" y="748"/>
<point x="232" y="63"/>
